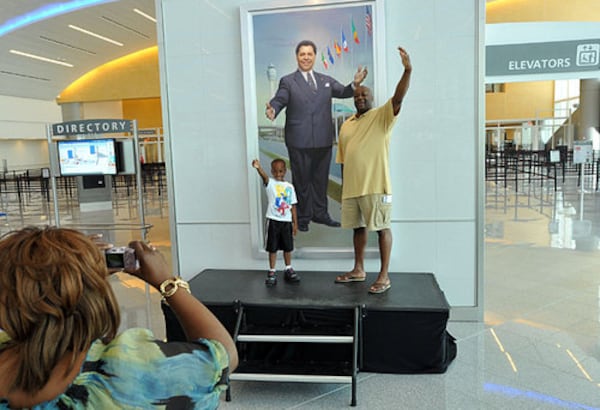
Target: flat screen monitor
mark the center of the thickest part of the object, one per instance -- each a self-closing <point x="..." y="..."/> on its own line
<point x="87" y="157"/>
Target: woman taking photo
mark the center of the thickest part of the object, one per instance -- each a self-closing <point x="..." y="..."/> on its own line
<point x="59" y="347"/>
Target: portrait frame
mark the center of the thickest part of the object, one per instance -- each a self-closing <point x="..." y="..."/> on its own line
<point x="330" y="23"/>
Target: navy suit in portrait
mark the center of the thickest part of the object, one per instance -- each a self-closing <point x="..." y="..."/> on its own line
<point x="309" y="136"/>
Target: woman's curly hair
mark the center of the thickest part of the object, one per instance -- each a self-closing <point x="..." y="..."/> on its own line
<point x="55" y="299"/>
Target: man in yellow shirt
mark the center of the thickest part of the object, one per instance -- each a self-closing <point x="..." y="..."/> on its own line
<point x="363" y="151"/>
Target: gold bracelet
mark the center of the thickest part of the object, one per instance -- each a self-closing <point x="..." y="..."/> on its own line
<point x="170" y="286"/>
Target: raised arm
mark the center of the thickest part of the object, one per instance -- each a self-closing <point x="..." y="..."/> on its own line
<point x="402" y="86"/>
<point x="261" y="171"/>
<point x="359" y="76"/>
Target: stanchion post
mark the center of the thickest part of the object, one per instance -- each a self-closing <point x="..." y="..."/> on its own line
<point x="53" y="167"/>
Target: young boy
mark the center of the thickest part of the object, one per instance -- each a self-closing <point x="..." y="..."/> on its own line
<point x="282" y="223"/>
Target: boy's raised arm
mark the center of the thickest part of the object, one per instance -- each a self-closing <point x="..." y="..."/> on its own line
<point x="261" y="171"/>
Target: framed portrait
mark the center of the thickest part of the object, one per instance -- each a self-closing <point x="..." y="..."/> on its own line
<point x="347" y="34"/>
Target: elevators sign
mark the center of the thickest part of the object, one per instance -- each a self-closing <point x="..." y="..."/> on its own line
<point x="542" y="58"/>
<point x="583" y="152"/>
<point x="91" y="127"/>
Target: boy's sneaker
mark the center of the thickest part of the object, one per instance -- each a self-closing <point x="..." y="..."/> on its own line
<point x="271" y="279"/>
<point x="291" y="276"/>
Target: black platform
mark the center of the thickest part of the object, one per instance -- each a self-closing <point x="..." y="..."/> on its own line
<point x="400" y="331"/>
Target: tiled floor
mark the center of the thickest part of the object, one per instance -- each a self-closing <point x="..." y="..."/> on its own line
<point x="538" y="347"/>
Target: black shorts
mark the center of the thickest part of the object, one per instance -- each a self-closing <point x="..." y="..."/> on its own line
<point x="279" y="236"/>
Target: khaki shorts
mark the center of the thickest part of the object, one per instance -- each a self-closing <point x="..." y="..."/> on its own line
<point x="371" y="211"/>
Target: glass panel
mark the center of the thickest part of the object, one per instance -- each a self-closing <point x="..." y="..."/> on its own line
<point x="561" y="90"/>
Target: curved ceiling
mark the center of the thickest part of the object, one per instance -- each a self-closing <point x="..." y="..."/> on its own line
<point x="54" y="38"/>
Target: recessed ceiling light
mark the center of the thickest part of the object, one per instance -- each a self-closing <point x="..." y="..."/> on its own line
<point x="90" y="33"/>
<point x="36" y="57"/>
<point x="141" y="13"/>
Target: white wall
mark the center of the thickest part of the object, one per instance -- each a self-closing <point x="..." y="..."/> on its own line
<point x="23" y="131"/>
<point x="24" y="118"/>
<point x="434" y="152"/>
<point x="23" y="154"/>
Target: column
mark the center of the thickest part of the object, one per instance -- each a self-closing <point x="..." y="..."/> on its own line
<point x="590" y="111"/>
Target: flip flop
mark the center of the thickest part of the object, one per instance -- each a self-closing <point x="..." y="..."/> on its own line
<point x="378" y="287"/>
<point x="348" y="277"/>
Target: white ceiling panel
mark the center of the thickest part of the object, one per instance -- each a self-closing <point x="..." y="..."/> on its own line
<point x="52" y="38"/>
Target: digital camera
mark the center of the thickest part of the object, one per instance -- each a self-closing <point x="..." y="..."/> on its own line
<point x="121" y="258"/>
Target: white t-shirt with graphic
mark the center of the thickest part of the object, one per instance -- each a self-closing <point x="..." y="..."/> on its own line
<point x="281" y="195"/>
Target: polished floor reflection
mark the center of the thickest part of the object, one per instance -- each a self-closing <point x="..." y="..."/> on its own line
<point x="538" y="347"/>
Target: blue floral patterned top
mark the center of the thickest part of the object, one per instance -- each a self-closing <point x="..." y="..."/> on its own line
<point x="136" y="371"/>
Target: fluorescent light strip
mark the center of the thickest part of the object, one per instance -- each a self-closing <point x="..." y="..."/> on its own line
<point x="46" y="12"/>
<point x="141" y="13"/>
<point x="47" y="60"/>
<point x="90" y="33"/>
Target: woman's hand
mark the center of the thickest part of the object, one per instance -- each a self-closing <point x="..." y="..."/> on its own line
<point x="153" y="269"/>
